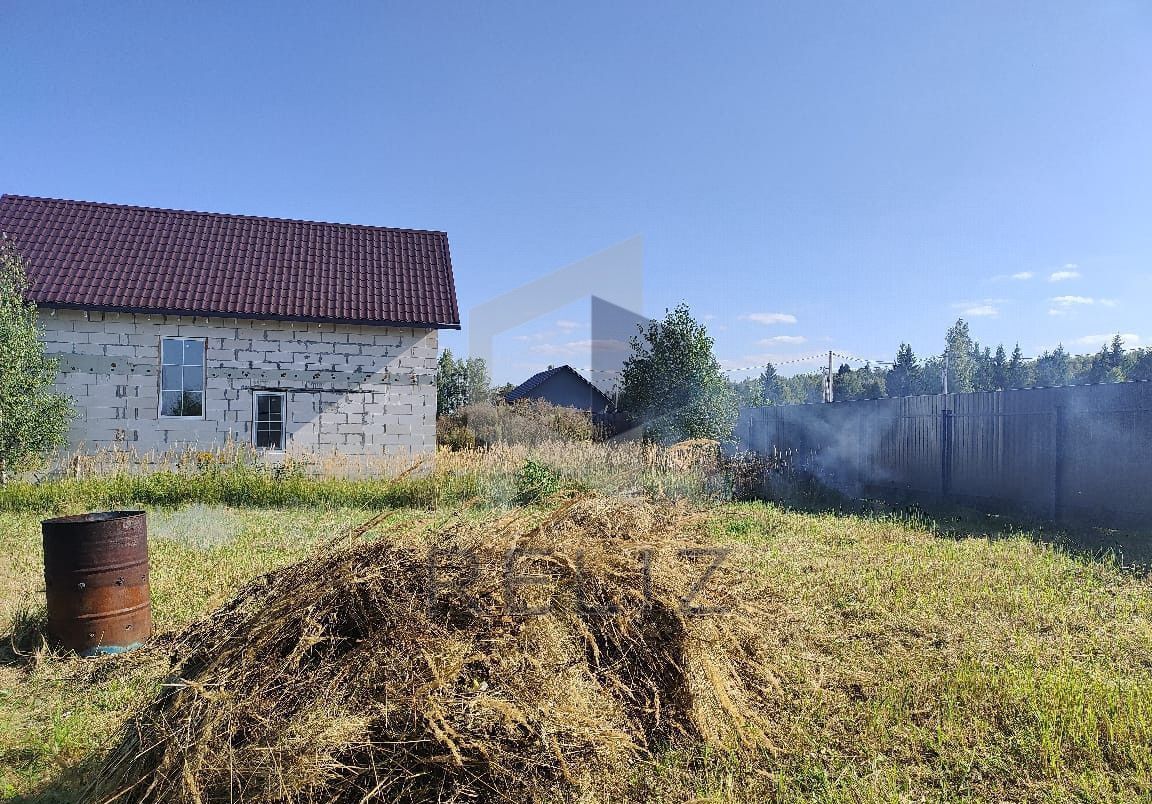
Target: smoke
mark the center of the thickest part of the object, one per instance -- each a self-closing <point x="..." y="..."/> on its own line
<point x="1072" y="452"/>
<point x="198" y="526"/>
<point x="836" y="445"/>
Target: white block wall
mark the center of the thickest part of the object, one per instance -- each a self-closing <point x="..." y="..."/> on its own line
<point x="356" y="390"/>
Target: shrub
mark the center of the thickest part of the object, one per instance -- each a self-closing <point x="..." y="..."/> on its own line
<point x="528" y="422"/>
<point x="536" y="481"/>
<point x="454" y="435"/>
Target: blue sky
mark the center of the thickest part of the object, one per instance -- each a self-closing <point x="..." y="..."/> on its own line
<point x="811" y="176"/>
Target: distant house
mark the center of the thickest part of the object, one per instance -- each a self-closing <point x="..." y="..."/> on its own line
<point x="562" y="386"/>
<point x="189" y="328"/>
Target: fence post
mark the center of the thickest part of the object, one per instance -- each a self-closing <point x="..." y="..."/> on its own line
<point x="1058" y="465"/>
<point x="946" y="453"/>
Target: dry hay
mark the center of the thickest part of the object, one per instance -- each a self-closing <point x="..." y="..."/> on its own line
<point x="702" y="454"/>
<point x="374" y="673"/>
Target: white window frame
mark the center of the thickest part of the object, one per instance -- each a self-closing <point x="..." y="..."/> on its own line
<point x="203" y="380"/>
<point x="256" y="394"/>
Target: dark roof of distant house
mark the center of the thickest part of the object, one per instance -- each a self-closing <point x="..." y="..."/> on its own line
<point x="87" y="255"/>
<point x="536" y="380"/>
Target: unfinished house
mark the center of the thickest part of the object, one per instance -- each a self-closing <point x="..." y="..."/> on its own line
<point x="178" y="329"/>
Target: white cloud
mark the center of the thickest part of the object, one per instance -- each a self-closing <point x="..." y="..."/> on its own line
<point x="1070" y="301"/>
<point x="1069" y="272"/>
<point x="550" y="349"/>
<point x="578" y="348"/>
<point x="782" y="339"/>
<point x="1096" y="341"/>
<point x="1023" y="275"/>
<point x="1064" y="305"/>
<point x="565" y="325"/>
<point x="977" y="309"/>
<point x="769" y="318"/>
<point x="708" y="317"/>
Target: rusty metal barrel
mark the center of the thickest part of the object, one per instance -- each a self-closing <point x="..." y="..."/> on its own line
<point x="96" y="581"/>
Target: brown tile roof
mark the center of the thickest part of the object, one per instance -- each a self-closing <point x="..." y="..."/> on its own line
<point x="137" y="259"/>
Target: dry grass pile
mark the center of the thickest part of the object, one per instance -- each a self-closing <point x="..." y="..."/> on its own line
<point x="695" y="453"/>
<point x="413" y="668"/>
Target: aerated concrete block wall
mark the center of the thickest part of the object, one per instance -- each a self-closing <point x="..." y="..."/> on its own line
<point x="353" y="390"/>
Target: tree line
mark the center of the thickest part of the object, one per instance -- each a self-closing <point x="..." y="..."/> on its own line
<point x="969" y="367"/>
<point x="673" y="385"/>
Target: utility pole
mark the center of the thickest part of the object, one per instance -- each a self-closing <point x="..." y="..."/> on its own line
<point x="828" y="380"/>
<point x="944" y="373"/>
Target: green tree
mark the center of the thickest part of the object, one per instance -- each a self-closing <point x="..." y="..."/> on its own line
<point x="850" y="385"/>
<point x="1000" y="369"/>
<point x="871" y="383"/>
<point x="1018" y="373"/>
<point x="500" y="393"/>
<point x="1141" y="368"/>
<point x="33" y="418"/>
<point x="748" y="393"/>
<point x="844" y="386"/>
<point x="460" y="382"/>
<point x="1118" y="359"/>
<point x="1109" y="363"/>
<point x="672" y="382"/>
<point x="905" y="376"/>
<point x="802" y="389"/>
<point x="478" y="380"/>
<point x="982" y="369"/>
<point x="961" y="366"/>
<point x="451" y="384"/>
<point x="932" y="375"/>
<point x="771" y="387"/>
<point x="1053" y="368"/>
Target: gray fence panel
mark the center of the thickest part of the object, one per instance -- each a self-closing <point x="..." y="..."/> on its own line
<point x="1080" y="451"/>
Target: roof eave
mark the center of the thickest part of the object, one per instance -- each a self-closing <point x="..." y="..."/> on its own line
<point x="364" y="322"/>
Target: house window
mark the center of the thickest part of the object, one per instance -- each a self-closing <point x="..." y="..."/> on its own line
<point x="182" y="377"/>
<point x="269" y="423"/>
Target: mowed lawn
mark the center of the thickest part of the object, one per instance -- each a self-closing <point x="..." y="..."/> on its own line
<point x="919" y="667"/>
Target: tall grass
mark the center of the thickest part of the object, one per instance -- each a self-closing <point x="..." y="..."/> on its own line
<point x="235" y="476"/>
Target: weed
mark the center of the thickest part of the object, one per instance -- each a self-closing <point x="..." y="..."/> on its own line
<point x="536" y="481"/>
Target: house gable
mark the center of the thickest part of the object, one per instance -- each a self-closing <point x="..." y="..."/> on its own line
<point x="564" y="386"/>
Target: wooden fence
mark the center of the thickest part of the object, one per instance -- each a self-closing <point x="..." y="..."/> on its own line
<point x="1080" y="453"/>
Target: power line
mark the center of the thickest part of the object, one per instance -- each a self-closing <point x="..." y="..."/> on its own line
<point x="823" y="356"/>
<point x="790" y="361"/>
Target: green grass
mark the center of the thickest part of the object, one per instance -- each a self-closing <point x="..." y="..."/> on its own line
<point x="249" y="486"/>
<point x="918" y="666"/>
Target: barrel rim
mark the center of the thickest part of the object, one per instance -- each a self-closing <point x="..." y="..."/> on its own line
<point x="93" y="518"/>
